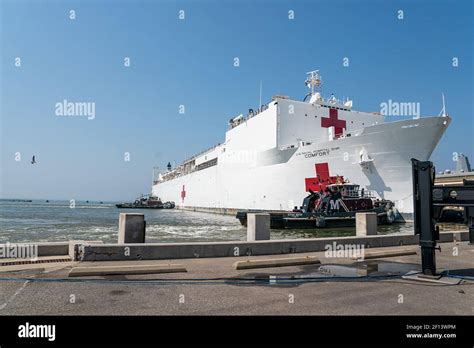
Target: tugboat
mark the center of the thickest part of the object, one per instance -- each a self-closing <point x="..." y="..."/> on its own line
<point x="335" y="206"/>
<point x="147" y="202"/>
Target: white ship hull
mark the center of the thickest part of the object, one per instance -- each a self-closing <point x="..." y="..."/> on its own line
<point x="272" y="178"/>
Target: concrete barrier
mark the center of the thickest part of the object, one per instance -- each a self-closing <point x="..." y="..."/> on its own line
<point x="366" y="224"/>
<point x="47" y="248"/>
<point x="168" y="251"/>
<point x="84" y="271"/>
<point x="42" y="249"/>
<point x="131" y="228"/>
<point x="258" y="226"/>
<point x="283" y="262"/>
<point x="385" y="253"/>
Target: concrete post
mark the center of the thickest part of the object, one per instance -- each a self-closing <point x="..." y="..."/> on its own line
<point x="131" y="228"/>
<point x="258" y="226"/>
<point x="366" y="224"/>
<point x="76" y="248"/>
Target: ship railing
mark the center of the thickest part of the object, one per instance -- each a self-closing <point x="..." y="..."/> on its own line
<point x="174" y="176"/>
<point x="202" y="153"/>
<point x="358" y="193"/>
<point x="261" y="109"/>
<point x="367" y="194"/>
<point x="252" y="113"/>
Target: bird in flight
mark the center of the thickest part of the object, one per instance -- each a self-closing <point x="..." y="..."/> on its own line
<point x="33" y="160"/>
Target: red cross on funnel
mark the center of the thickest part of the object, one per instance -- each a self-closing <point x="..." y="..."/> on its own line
<point x="333" y="121"/>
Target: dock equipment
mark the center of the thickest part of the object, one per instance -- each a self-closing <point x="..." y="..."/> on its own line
<point x="456" y="195"/>
<point x="429" y="200"/>
<point x="423" y="173"/>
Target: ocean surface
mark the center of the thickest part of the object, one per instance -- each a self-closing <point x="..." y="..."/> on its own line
<point x="41" y="221"/>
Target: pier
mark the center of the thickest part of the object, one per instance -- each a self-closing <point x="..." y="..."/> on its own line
<point x="278" y="277"/>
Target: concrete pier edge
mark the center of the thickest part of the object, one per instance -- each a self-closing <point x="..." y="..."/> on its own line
<point x="51" y="248"/>
<point x="167" y="251"/>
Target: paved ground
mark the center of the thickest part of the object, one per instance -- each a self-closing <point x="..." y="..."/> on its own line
<point x="106" y="295"/>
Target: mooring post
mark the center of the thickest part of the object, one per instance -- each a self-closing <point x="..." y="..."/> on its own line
<point x="258" y="226"/>
<point x="366" y="224"/>
<point x="131" y="228"/>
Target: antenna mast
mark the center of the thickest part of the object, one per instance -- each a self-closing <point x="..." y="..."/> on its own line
<point x="313" y="81"/>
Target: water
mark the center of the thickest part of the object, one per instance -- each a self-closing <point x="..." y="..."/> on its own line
<point x="56" y="221"/>
<point x="41" y="221"/>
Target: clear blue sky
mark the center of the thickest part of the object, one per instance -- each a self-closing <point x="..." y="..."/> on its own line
<point x="190" y="62"/>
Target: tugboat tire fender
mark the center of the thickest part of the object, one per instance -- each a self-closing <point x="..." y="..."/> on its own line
<point x="320" y="222"/>
<point x="392" y="214"/>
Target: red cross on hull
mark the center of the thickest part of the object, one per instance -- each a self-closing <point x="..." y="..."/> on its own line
<point x="183" y="194"/>
<point x="333" y="121"/>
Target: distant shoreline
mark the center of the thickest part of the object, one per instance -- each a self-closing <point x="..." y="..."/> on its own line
<point x="21" y="200"/>
<point x="16" y="200"/>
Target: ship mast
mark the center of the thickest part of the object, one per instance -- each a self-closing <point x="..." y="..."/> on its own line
<point x="313" y="81"/>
